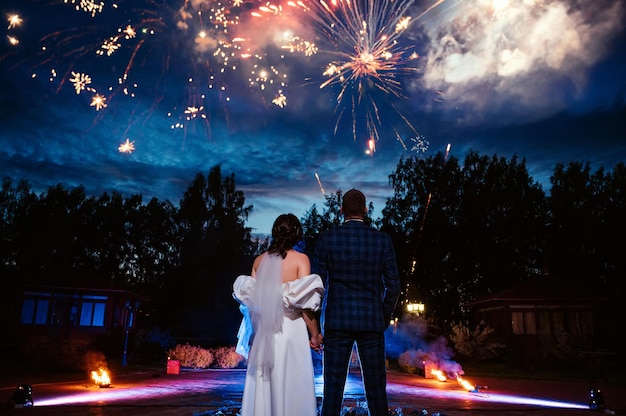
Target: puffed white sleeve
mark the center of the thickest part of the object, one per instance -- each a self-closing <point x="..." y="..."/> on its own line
<point x="304" y="293"/>
<point x="242" y="292"/>
<point x="243" y="288"/>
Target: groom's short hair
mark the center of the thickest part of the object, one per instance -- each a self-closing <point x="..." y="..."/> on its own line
<point x="353" y="203"/>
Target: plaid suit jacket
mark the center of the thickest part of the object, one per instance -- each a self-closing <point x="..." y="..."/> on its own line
<point x="358" y="266"/>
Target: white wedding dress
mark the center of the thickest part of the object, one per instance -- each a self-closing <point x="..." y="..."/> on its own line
<point x="279" y="378"/>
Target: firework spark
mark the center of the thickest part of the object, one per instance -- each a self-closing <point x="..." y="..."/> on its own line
<point x="14" y="20"/>
<point x="420" y="144"/>
<point x="280" y="100"/>
<point x="126" y="147"/>
<point x="98" y="101"/>
<point x="80" y="81"/>
<point x="371" y="147"/>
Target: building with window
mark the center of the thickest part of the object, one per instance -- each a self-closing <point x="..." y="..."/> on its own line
<point x="542" y="317"/>
<point x="75" y="312"/>
<point x="58" y="322"/>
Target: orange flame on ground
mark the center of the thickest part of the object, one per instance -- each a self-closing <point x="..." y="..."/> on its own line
<point x="101" y="377"/>
<point x="464" y="383"/>
<point x="439" y="374"/>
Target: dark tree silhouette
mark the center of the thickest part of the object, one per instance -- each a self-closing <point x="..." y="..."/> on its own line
<point x="462" y="232"/>
<point x="587" y="224"/>
<point x="216" y="248"/>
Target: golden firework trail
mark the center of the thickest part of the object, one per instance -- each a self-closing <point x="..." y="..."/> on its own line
<point x="319" y="182"/>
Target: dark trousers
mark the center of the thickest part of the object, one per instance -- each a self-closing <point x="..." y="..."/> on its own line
<point x="337" y="352"/>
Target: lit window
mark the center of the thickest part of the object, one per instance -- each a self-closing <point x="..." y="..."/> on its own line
<point x="92" y="312"/>
<point x="35" y="311"/>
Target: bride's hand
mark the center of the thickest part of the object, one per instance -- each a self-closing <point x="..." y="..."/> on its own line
<point x="316" y="342"/>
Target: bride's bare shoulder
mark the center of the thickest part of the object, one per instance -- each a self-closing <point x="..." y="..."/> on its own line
<point x="296" y="256"/>
<point x="256" y="263"/>
<point x="296" y="264"/>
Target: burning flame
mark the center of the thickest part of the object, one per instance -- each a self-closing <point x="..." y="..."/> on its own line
<point x="465" y="384"/>
<point x="101" y="377"/>
<point x="438" y="374"/>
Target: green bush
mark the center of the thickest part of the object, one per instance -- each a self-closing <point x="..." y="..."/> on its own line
<point x="477" y="343"/>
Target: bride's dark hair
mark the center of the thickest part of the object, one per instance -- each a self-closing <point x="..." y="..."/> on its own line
<point x="286" y="232"/>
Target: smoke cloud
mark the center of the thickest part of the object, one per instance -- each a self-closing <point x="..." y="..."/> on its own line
<point x="528" y="56"/>
<point x="412" y="335"/>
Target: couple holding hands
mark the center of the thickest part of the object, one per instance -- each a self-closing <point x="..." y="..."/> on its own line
<point x="346" y="295"/>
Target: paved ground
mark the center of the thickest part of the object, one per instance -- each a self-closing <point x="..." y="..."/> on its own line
<point x="194" y="393"/>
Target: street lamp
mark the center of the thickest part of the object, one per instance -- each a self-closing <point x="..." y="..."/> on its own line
<point x="417" y="308"/>
<point x="128" y="323"/>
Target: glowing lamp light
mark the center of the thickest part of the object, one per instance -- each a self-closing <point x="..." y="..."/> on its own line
<point x="417" y="308"/>
<point x="596" y="400"/>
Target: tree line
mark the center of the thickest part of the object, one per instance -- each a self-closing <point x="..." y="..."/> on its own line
<point x="466" y="229"/>
<point x="462" y="229"/>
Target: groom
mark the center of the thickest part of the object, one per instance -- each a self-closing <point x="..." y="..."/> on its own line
<point x="358" y="266"/>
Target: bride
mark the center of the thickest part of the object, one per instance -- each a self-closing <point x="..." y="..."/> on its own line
<point x="281" y="302"/>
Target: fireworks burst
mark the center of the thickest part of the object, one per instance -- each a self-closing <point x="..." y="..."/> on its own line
<point x="212" y="50"/>
<point x="104" y="49"/>
<point x="420" y="144"/>
<point x="370" y="65"/>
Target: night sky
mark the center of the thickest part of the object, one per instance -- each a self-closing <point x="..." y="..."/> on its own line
<point x="249" y="85"/>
